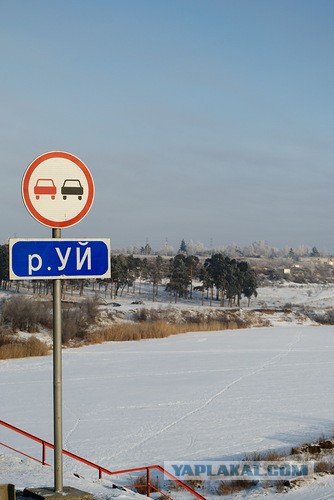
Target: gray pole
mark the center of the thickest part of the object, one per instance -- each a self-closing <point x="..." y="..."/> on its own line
<point x="57" y="382"/>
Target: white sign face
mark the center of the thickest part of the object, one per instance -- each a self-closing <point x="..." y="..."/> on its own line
<point x="58" y="189"/>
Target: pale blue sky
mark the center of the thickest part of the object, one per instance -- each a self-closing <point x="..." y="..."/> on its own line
<point x="199" y="119"/>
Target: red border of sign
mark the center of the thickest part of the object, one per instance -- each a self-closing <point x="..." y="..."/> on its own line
<point x="25" y="192"/>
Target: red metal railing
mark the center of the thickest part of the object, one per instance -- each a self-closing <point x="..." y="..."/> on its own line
<point x="101" y="470"/>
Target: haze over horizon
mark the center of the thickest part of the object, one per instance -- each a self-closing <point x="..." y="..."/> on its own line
<point x="209" y="121"/>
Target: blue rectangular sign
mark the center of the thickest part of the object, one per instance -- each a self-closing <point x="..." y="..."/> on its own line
<point x="59" y="259"/>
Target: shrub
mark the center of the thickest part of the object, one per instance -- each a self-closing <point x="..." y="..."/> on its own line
<point x="195" y="484"/>
<point x="235" y="485"/>
<point x="324" y="466"/>
<point x="322" y="317"/>
<point x="269" y="456"/>
<point x="69" y="325"/>
<point x="77" y="319"/>
<point x="141" y="314"/>
<point x="27" y="314"/>
<point x="281" y="486"/>
<point x="140" y="484"/>
<point x="22" y="313"/>
<point x="5" y="337"/>
<point x="223" y="319"/>
<point x="89" y="310"/>
<point x="273" y="456"/>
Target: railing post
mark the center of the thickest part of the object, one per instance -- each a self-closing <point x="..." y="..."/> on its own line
<point x="148" y="481"/>
<point x="43" y="453"/>
<point x="100" y="473"/>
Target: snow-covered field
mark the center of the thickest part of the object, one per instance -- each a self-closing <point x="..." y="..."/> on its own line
<point x="313" y="295"/>
<point x="197" y="396"/>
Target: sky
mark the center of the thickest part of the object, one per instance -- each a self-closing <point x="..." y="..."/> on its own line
<point x="203" y="120"/>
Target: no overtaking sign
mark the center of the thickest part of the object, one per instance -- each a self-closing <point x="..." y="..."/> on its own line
<point x="58" y="189"/>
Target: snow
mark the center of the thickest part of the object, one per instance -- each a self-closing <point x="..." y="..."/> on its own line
<point x="315" y="295"/>
<point x="25" y="473"/>
<point x="197" y="396"/>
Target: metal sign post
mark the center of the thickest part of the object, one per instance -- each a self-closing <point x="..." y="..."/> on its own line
<point x="57" y="382"/>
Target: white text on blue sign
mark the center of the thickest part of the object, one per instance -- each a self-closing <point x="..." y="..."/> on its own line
<point x="58" y="258"/>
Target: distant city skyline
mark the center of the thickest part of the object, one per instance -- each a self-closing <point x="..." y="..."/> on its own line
<point x="206" y="121"/>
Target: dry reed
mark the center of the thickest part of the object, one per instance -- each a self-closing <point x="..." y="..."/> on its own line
<point x="152" y="330"/>
<point x="23" y="349"/>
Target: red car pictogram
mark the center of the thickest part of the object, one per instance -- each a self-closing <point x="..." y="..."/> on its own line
<point x="45" y="187"/>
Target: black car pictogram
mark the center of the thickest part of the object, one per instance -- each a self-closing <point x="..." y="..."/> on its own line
<point x="72" y="187"/>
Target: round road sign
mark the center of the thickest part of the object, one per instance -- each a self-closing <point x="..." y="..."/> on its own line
<point x="58" y="189"/>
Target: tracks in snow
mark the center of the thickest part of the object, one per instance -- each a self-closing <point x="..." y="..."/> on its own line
<point x="270" y="362"/>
